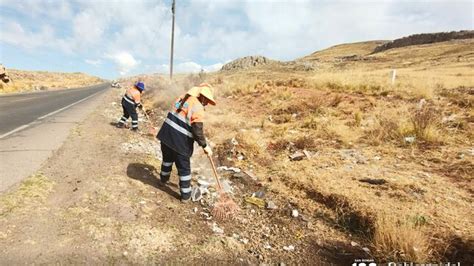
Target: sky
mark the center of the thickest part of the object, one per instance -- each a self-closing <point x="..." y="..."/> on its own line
<point x="111" y="39"/>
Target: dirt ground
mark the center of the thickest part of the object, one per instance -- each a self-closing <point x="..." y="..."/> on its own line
<point x="98" y="200"/>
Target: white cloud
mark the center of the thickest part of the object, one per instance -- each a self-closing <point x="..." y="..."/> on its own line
<point x="188" y="67"/>
<point x="93" y="62"/>
<point x="208" y="32"/>
<point x="124" y="61"/>
<point x="14" y="33"/>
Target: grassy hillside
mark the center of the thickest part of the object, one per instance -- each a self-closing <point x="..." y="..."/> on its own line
<point x="23" y="81"/>
<point x="389" y="165"/>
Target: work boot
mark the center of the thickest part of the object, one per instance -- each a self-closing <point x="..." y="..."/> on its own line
<point x="186" y="198"/>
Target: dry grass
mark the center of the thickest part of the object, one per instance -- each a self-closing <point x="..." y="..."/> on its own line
<point x="34" y="189"/>
<point x="401" y="240"/>
<point x="23" y="81"/>
<point x="334" y="112"/>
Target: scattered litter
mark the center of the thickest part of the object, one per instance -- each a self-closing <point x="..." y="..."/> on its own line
<point x="239" y="175"/>
<point x="125" y="253"/>
<point x="289" y="248"/>
<point x="410" y="139"/>
<point x="142" y="202"/>
<point x="373" y="181"/>
<point x="196" y="194"/>
<point x="240" y="157"/>
<point x="252" y="211"/>
<point x="203" y="182"/>
<point x="226" y="187"/>
<point x="377" y="158"/>
<point x="226" y="168"/>
<point x="216" y="229"/>
<point x="354" y="244"/>
<point x="236" y="236"/>
<point x="244" y="240"/>
<point x="295" y="213"/>
<point x="271" y="205"/>
<point x="307" y="153"/>
<point x="259" y="194"/>
<point x="234" y="141"/>
<point x="251" y="175"/>
<point x="297" y="156"/>
<point x="421" y="103"/>
<point x="366" y="249"/>
<point x="255" y="201"/>
<point x="267" y="246"/>
<point x="195" y="209"/>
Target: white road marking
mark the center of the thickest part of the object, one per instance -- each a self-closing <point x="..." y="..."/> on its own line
<point x="47" y="115"/>
<point x="64" y="108"/>
<point x="13" y="131"/>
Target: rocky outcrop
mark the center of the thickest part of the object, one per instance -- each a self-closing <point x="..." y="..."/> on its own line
<point x="247" y="62"/>
<point x="425" y="38"/>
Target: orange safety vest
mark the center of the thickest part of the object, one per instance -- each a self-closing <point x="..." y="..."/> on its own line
<point x="176" y="131"/>
<point x="132" y="95"/>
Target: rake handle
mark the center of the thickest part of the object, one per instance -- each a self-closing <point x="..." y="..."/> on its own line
<point x="215" y="171"/>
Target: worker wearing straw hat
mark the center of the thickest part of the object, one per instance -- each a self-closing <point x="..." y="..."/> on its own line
<point x="182" y="126"/>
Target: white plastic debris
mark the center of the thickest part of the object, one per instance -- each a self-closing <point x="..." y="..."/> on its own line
<point x="289" y="248"/>
<point x="196" y="194"/>
<point x="226" y="168"/>
<point x="216" y="229"/>
<point x="295" y="213"/>
<point x="244" y="240"/>
<point x="410" y="139"/>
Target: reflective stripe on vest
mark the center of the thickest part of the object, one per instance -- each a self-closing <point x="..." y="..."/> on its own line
<point x="125" y="97"/>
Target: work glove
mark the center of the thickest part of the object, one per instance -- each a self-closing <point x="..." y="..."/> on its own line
<point x="207" y="150"/>
<point x="140" y="106"/>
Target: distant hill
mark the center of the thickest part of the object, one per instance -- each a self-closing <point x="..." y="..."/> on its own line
<point x="247" y="62"/>
<point x="23" y="80"/>
<point x="425" y="38"/>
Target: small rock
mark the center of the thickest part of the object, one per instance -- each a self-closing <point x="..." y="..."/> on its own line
<point x="354" y="244"/>
<point x="267" y="246"/>
<point x="195" y="209"/>
<point x="367" y="250"/>
<point x="289" y="248"/>
<point x="244" y="240"/>
<point x="410" y="139"/>
<point x="377" y="158"/>
<point x="252" y="211"/>
<point x="125" y="253"/>
<point x="295" y="213"/>
<point x="142" y="202"/>
<point x="271" y="205"/>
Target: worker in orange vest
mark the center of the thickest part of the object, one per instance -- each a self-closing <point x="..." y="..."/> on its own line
<point x="182" y="126"/>
<point x="130" y="101"/>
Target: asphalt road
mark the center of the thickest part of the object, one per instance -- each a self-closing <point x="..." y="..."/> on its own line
<point x="19" y="110"/>
<point x="34" y="125"/>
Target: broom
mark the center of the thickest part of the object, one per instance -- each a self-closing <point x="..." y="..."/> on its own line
<point x="225" y="207"/>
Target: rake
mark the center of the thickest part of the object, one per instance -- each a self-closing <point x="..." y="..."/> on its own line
<point x="224" y="207"/>
<point x="151" y="130"/>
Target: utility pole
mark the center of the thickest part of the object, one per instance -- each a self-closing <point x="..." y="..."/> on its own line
<point x="172" y="41"/>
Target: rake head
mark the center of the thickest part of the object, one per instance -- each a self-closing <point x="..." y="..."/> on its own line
<point x="224" y="208"/>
